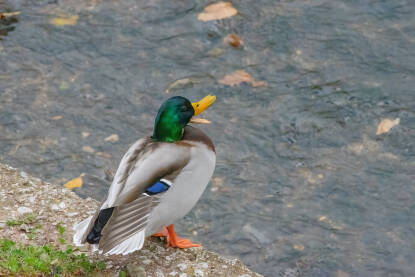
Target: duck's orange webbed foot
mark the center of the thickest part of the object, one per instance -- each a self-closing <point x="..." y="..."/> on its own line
<point x="173" y="239"/>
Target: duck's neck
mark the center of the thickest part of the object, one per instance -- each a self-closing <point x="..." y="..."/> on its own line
<point x="166" y="131"/>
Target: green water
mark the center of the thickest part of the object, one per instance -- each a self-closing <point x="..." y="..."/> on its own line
<point x="303" y="185"/>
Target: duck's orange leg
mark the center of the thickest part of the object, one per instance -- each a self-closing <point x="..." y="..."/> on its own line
<point x="162" y="233"/>
<point x="173" y="239"/>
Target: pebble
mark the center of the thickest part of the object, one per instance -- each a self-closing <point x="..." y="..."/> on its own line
<point x="62" y="205"/>
<point x="146" y="262"/>
<point x="24" y="210"/>
<point x="73" y="214"/>
<point x="182" y="267"/>
<point x="198" y="273"/>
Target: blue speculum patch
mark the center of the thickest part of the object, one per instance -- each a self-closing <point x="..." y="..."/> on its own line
<point x="157" y="188"/>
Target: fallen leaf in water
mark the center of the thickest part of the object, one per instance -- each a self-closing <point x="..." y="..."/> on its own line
<point x="3" y="15"/>
<point x="233" y="40"/>
<point x="112" y="138"/>
<point x="104" y="155"/>
<point x="57" y="117"/>
<point x="322" y="218"/>
<point x="216" y="11"/>
<point x="88" y="149"/>
<point x="216" y="52"/>
<point x="386" y="125"/>
<point x="74" y="183"/>
<point x="341" y="273"/>
<point x="325" y="220"/>
<point x="85" y="134"/>
<point x="62" y="21"/>
<point x="299" y="247"/>
<point x="180" y="84"/>
<point x="218" y="181"/>
<point x="241" y="76"/>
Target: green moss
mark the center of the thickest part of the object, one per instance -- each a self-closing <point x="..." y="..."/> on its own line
<point x="44" y="260"/>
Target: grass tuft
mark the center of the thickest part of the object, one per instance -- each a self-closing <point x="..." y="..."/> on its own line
<point x="44" y="260"/>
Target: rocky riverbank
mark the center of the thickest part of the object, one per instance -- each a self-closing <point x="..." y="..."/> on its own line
<point x="33" y="212"/>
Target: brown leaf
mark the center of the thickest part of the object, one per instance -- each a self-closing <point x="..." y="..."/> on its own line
<point x="104" y="155"/>
<point x="57" y="117"/>
<point x="67" y="20"/>
<point x="386" y="124"/>
<point x="112" y="138"/>
<point x="299" y="247"/>
<point x="216" y="11"/>
<point x="74" y="183"/>
<point x="233" y="40"/>
<point x="241" y="76"/>
<point x="341" y="273"/>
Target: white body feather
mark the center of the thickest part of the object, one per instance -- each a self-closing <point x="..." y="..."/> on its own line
<point x="186" y="189"/>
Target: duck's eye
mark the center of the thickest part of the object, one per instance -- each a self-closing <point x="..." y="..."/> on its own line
<point x="183" y="109"/>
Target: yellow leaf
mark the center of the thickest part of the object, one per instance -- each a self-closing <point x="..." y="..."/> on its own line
<point x="75" y="183"/>
<point x="3" y="15"/>
<point x="62" y="21"/>
<point x="180" y="84"/>
<point x="85" y="134"/>
<point x="299" y="247"/>
<point x="216" y="11"/>
<point x="241" y="76"/>
<point x="88" y="149"/>
<point x="322" y="218"/>
<point x="386" y="125"/>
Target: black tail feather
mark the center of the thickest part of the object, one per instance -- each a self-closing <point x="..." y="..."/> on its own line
<point x="95" y="234"/>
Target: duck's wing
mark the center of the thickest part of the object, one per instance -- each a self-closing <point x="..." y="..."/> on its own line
<point x="145" y="163"/>
<point x="135" y="191"/>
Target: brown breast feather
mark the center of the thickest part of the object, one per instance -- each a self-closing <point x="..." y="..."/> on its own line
<point x="194" y="134"/>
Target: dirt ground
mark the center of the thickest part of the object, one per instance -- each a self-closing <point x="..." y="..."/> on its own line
<point x="40" y="207"/>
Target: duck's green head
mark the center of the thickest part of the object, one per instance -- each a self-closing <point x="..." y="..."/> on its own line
<point x="175" y="113"/>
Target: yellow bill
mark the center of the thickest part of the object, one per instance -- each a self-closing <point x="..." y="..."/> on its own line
<point x="203" y="104"/>
<point x="200" y="106"/>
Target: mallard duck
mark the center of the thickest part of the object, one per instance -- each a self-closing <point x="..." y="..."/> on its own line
<point x="158" y="182"/>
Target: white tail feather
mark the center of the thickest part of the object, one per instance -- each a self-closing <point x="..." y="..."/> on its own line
<point x="80" y="230"/>
<point x="131" y="244"/>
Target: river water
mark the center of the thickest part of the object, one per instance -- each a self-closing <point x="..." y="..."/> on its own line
<point x="303" y="185"/>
